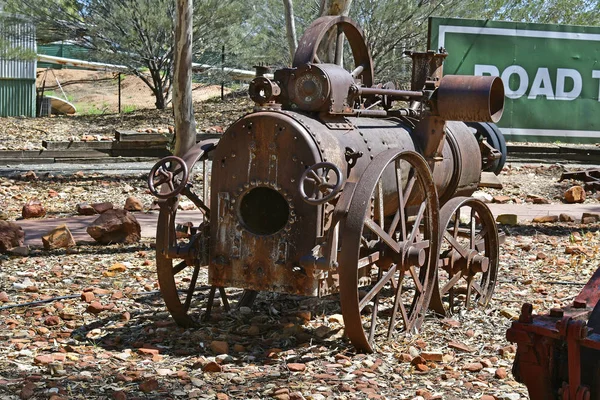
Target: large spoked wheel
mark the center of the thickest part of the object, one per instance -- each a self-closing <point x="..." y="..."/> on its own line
<point x="469" y="256"/>
<point x="388" y="252"/>
<point x="317" y="32"/>
<point x="181" y="248"/>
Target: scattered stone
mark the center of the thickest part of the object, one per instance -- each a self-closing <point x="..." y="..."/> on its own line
<point x="510" y="314"/>
<point x="85" y="209"/>
<point x="219" y="347"/>
<point x="52" y="320"/>
<point x="487" y="397"/>
<point x="590" y="218"/>
<point x="575" y="194"/>
<point x="507" y="219"/>
<point x="473" y="367"/>
<point x="88" y="296"/>
<point x="461" y="347"/>
<point x="483" y="196"/>
<point x="133" y="204"/>
<point x="545" y="219"/>
<point x="536" y="199"/>
<point x="566" y="218"/>
<point x="95" y="308"/>
<point x="4" y="297"/>
<point x="432" y="355"/>
<point x="58" y="238"/>
<point x="501" y="373"/>
<point x="103" y="207"/>
<point x="115" y="226"/>
<point x="33" y="209"/>
<point x="501" y="199"/>
<point x="296" y="367"/>
<point x="11" y="235"/>
<point x="27" y="391"/>
<point x="212" y="367"/>
<point x="149" y="385"/>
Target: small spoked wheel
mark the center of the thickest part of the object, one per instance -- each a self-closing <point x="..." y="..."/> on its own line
<point x="320" y="183"/>
<point x="469" y="256"/>
<point x="388" y="251"/>
<point x="168" y="177"/>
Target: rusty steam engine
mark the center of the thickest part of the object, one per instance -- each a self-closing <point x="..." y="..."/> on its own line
<point x="334" y="184"/>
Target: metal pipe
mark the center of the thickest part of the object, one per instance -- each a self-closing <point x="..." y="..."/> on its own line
<point x="389" y="92"/>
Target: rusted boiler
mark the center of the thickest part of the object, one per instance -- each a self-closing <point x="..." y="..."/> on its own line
<point x="335" y="184"/>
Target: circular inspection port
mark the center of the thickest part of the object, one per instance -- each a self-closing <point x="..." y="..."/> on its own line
<point x="264" y="211"/>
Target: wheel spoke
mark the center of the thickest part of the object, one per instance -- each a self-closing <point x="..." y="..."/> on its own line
<point x="401" y="212"/>
<point x="417" y="281"/>
<point x="417" y="223"/>
<point x="190" y="292"/>
<point x="457" y="246"/>
<point x="179" y="267"/>
<point x="409" y="186"/>
<point x="377" y="288"/>
<point x="387" y="239"/>
<point x="450" y="284"/>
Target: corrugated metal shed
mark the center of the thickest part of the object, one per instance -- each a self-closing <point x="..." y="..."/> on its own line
<point x="17" y="67"/>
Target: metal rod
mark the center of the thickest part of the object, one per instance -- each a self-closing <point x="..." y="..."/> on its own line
<point x="389" y="92"/>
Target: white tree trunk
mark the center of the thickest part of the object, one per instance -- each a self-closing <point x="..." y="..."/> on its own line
<point x="290" y="27"/>
<point x="183" y="108"/>
<point x="332" y="47"/>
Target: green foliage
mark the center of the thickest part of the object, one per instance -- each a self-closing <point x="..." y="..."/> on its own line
<point x="128" y="108"/>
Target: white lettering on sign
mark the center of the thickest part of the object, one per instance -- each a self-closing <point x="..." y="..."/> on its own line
<point x="596" y="75"/>
<point x="523" y="81"/>
<point x="542" y="85"/>
<point x="561" y="75"/>
<point x="568" y="82"/>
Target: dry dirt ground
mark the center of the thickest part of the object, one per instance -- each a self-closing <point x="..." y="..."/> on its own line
<point x="55" y="345"/>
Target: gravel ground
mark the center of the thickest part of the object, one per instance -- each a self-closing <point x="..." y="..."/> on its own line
<point x="60" y="344"/>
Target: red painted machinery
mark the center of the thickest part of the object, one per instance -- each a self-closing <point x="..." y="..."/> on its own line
<point x="558" y="355"/>
<point x="335" y="184"/>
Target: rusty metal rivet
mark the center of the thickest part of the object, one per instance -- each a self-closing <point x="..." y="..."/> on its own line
<point x="556" y="312"/>
<point x="579" y="304"/>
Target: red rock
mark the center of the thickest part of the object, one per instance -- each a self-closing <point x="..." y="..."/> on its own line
<point x="222" y="396"/>
<point x="27" y="391"/>
<point x="405" y="357"/>
<point x="421" y="367"/>
<point x="296" y="367"/>
<point x="432" y="355"/>
<point x="125" y="316"/>
<point x="461" y="347"/>
<point x="473" y="367"/>
<point x="133" y="204"/>
<point x="58" y="238"/>
<point x="575" y="194"/>
<point x="219" y="347"/>
<point x="11" y="235"/>
<point x="95" y="308"/>
<point x="33" y="209"/>
<point x="119" y="395"/>
<point x="4" y="297"/>
<point x="238" y="348"/>
<point x="487" y="397"/>
<point x="52" y="320"/>
<point x="43" y="359"/>
<point x="101" y="208"/>
<point x="115" y="226"/>
<point x="420" y="343"/>
<point x="212" y="367"/>
<point x="565" y="218"/>
<point x="546" y="219"/>
<point x="501" y="199"/>
<point x="147" y="351"/>
<point x="87" y="296"/>
<point x="423" y="393"/>
<point x="85" y="209"/>
<point x="149" y="385"/>
<point x="501" y="373"/>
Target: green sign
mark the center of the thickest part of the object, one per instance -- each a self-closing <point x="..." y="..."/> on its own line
<point x="551" y="74"/>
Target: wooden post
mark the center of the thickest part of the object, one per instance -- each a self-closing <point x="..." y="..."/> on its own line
<point x="223" y="73"/>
